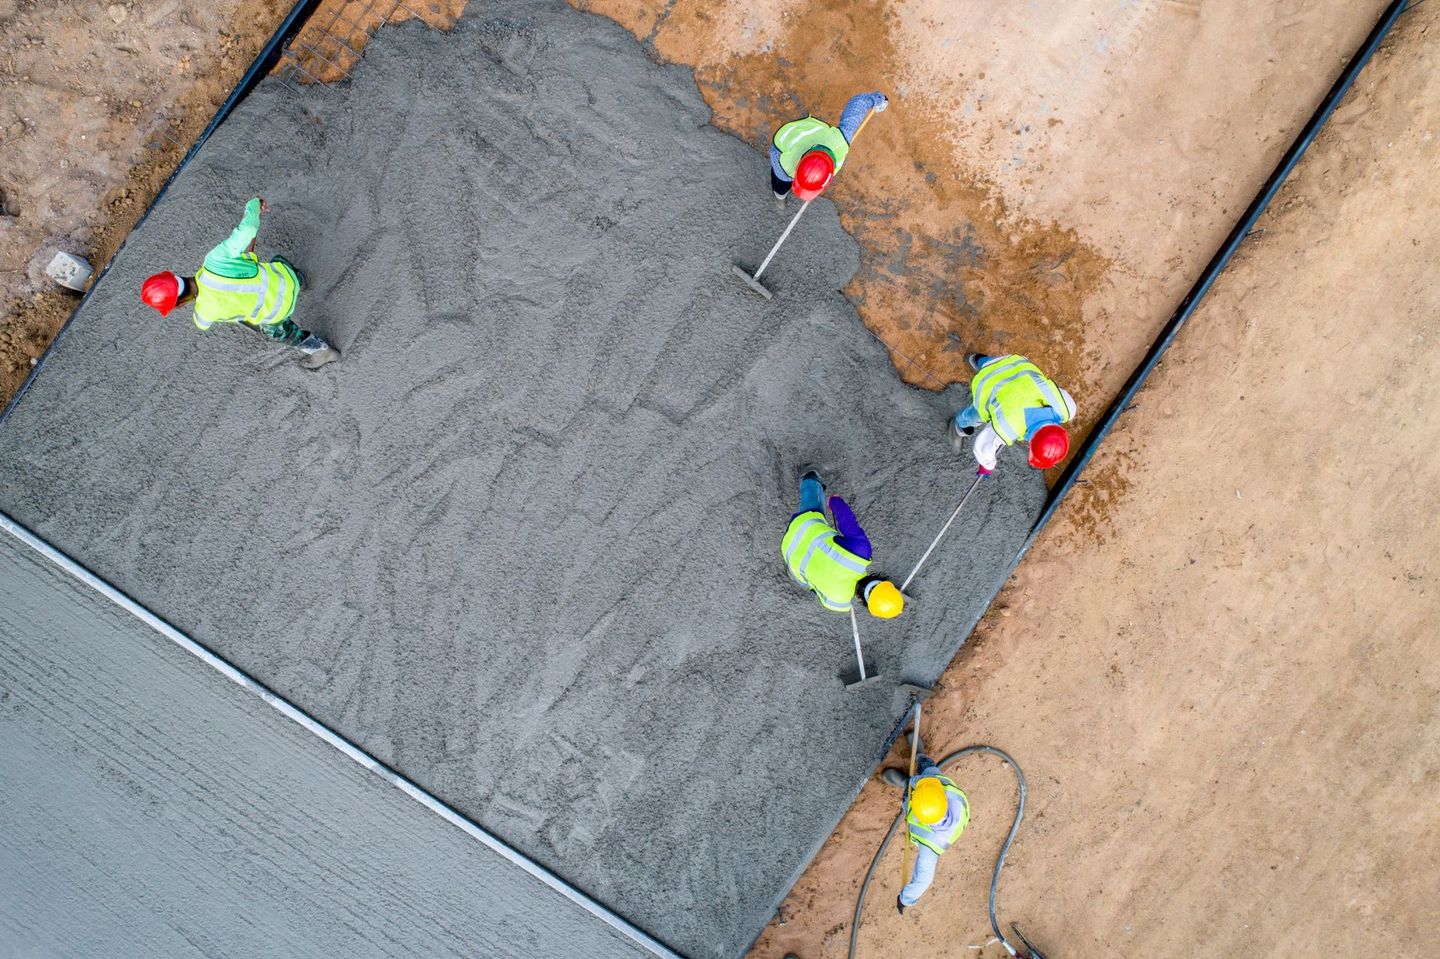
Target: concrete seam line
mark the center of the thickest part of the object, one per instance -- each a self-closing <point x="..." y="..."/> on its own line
<point x="298" y="716"/>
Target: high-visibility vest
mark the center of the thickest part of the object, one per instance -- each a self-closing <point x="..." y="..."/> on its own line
<point x="1003" y="390"/>
<point x="930" y="836"/>
<point x="817" y="563"/>
<point x="265" y="298"/>
<point x="799" y="137"/>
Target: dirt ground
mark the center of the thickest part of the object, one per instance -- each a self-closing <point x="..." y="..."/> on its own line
<point x="1226" y="697"/>
<point x="1223" y="696"/>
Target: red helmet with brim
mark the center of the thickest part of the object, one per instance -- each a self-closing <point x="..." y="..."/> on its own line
<point x="1048" y="446"/>
<point x="161" y="291"/>
<point x="813" y="173"/>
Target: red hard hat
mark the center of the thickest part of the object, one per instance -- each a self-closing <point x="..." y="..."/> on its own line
<point x="813" y="173"/>
<point x="1048" y="446"/>
<point x="161" y="291"/>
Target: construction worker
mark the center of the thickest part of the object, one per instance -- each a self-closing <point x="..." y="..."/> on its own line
<point x="806" y="153"/>
<point x="233" y="286"/>
<point x="1016" y="403"/>
<point x="831" y="561"/>
<point x="936" y="812"/>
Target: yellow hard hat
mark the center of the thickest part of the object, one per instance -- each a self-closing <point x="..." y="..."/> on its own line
<point x="928" y="802"/>
<point x="883" y="600"/>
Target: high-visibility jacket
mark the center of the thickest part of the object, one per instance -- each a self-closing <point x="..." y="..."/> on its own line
<point x="816" y="562"/>
<point x="1004" y="389"/>
<point x="265" y="298"/>
<point x="799" y="137"/>
<point x="940" y="836"/>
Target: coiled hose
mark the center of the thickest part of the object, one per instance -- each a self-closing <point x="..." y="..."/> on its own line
<point x="999" y="861"/>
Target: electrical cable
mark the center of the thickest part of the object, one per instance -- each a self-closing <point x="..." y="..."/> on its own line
<point x="999" y="860"/>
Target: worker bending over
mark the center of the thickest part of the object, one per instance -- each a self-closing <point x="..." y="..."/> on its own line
<point x="831" y="561"/>
<point x="806" y="153"/>
<point x="233" y="286"/>
<point x="1016" y="403"/>
<point x="936" y="812"/>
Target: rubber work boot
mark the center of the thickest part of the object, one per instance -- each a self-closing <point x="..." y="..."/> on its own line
<point x="974" y="360"/>
<point x="780" y="200"/>
<point x="317" y="352"/>
<point x="810" y="472"/>
<point x="958" y="435"/>
<point x="893" y="777"/>
<point x="899" y="905"/>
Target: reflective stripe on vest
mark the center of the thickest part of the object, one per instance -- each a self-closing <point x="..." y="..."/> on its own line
<point x="265" y="298"/>
<point x="815" y="562"/>
<point x="798" y="137"/>
<point x="938" y="842"/>
<point x="1003" y="390"/>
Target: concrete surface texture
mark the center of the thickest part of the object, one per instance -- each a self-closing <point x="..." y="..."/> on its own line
<point x="1227" y="700"/>
<point x="522" y="543"/>
<point x="153" y="809"/>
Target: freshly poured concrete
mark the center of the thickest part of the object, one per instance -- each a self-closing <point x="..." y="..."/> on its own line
<point x="522" y="542"/>
<point x="151" y="809"/>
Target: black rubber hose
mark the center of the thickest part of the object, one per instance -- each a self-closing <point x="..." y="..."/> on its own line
<point x="999" y="860"/>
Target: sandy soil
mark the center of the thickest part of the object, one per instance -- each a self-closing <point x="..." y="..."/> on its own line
<point x="1052" y="174"/>
<point x="1227" y="702"/>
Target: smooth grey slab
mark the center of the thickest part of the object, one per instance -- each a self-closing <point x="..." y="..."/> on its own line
<point x="149" y="807"/>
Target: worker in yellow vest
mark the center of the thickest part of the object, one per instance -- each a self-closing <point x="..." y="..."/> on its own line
<point x="234" y="286"/>
<point x="1015" y="403"/>
<point x="832" y="560"/>
<point x="806" y="153"/>
<point x="936" y="813"/>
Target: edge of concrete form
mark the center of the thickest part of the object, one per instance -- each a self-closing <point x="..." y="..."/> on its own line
<point x="292" y="23"/>
<point x="351" y="751"/>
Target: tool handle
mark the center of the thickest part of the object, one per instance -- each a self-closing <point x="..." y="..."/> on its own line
<point x="855" y="631"/>
<point x="861" y="127"/>
<point x="776" y="248"/>
<point x="905" y="809"/>
<point x="943" y="530"/>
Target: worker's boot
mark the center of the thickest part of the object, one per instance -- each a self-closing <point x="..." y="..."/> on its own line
<point x="317" y="352"/>
<point x="959" y="434"/>
<point x="780" y="200"/>
<point x="974" y="360"/>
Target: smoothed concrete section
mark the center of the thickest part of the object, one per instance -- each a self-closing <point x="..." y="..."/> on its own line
<point x="522" y="542"/>
<point x="151" y="808"/>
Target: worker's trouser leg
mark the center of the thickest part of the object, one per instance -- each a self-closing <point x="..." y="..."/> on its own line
<point x="286" y="332"/>
<point x="812" y="496"/>
<point x="779" y="186"/>
<point x="921" y="876"/>
<point x="968" y="418"/>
